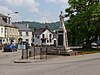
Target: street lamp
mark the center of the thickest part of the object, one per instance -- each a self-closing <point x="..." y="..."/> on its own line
<point x="12" y="13"/>
<point x="10" y="17"/>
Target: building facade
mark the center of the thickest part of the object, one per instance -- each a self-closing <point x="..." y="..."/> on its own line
<point x="24" y="33"/>
<point x="43" y="36"/>
<point x="8" y="32"/>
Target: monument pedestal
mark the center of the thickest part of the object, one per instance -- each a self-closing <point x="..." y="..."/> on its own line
<point x="61" y="37"/>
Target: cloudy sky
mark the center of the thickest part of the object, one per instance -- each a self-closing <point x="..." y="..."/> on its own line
<point x="33" y="10"/>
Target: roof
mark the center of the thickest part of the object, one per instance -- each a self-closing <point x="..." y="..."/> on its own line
<point x="13" y="25"/>
<point x="3" y="23"/>
<point x="1" y="15"/>
<point x="22" y="27"/>
<point x="39" y="31"/>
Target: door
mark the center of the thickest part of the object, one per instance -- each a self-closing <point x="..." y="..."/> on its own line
<point x="55" y="43"/>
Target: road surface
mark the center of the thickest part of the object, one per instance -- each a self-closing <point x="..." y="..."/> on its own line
<point x="73" y="65"/>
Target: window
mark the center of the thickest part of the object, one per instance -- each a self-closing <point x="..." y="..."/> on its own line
<point x="1" y="30"/>
<point x="60" y="31"/>
<point x="33" y="40"/>
<point x="20" y="33"/>
<point x="3" y="40"/>
<point x="4" y="19"/>
<point x="42" y="35"/>
<point x="35" y="35"/>
<point x="47" y="41"/>
<point x="56" y="32"/>
<point x="27" y="34"/>
<point x="5" y="30"/>
<point x="27" y="40"/>
<point x="43" y="40"/>
<point x="50" y="35"/>
<point x="50" y="40"/>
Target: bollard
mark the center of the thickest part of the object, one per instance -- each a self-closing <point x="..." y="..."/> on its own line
<point x="30" y="53"/>
<point x="24" y="54"/>
<point x="46" y="52"/>
<point x="40" y="53"/>
<point x="34" y="52"/>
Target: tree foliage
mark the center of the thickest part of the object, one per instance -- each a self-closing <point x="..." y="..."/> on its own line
<point x="84" y="21"/>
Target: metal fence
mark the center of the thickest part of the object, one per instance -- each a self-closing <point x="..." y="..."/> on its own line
<point x="47" y="52"/>
<point x="43" y="52"/>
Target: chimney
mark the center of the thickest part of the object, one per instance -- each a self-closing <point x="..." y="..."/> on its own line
<point x="46" y="25"/>
<point x="27" y="25"/>
<point x="8" y="20"/>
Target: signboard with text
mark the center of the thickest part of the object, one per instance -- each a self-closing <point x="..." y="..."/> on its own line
<point x="21" y="46"/>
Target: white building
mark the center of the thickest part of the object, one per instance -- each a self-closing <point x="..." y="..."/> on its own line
<point x="25" y="33"/>
<point x="43" y="36"/>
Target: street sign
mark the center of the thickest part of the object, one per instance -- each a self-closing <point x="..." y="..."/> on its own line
<point x="21" y="46"/>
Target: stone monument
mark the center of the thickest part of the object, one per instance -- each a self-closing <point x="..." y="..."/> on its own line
<point x="62" y="33"/>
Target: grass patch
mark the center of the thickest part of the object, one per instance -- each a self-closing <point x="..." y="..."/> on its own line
<point x="83" y="51"/>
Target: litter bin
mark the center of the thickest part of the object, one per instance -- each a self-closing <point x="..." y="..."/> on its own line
<point x="24" y="54"/>
<point x="25" y="50"/>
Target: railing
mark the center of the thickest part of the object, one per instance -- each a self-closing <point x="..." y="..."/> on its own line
<point x="45" y="52"/>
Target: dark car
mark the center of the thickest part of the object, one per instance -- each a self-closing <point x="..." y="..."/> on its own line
<point x="10" y="48"/>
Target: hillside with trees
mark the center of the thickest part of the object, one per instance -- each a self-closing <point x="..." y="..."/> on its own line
<point x="33" y="25"/>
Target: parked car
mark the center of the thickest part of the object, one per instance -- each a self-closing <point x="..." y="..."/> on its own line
<point x="10" y="48"/>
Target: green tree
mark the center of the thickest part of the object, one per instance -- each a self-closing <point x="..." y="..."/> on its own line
<point x="84" y="21"/>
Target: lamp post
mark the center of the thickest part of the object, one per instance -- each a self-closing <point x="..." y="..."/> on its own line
<point x="9" y="18"/>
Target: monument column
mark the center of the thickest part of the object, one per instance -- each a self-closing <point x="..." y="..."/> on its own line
<point x="62" y="33"/>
